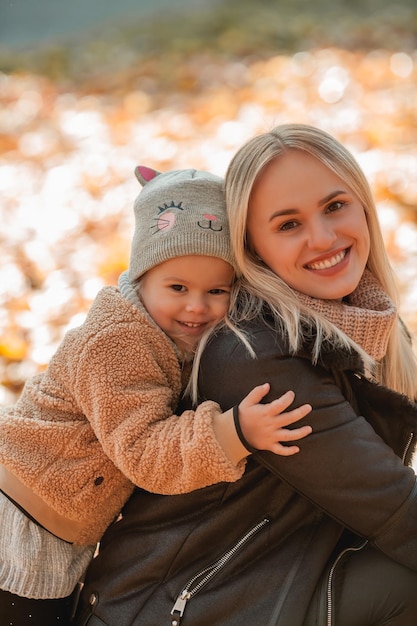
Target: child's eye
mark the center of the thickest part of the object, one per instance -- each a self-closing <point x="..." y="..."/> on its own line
<point x="177" y="287"/>
<point x="218" y="291"/>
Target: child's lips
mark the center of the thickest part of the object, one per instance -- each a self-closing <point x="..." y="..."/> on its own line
<point x="193" y="324"/>
<point x="193" y="328"/>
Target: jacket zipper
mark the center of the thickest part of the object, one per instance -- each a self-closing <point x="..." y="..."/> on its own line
<point x="341" y="555"/>
<point x="408" y="444"/>
<point x="200" y="580"/>
<point x="330" y="579"/>
<point x="205" y="575"/>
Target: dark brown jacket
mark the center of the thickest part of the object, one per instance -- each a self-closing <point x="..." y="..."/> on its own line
<point x="252" y="552"/>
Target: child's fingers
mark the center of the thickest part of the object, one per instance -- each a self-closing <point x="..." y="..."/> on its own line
<point x="286" y="434"/>
<point x="283" y="402"/>
<point x="289" y="435"/>
<point x="285" y="450"/>
<point x="256" y="395"/>
<point x="284" y="419"/>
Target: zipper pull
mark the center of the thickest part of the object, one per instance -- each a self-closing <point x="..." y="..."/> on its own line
<point x="179" y="607"/>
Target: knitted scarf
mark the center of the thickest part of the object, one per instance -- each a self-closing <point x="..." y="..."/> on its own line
<point x="366" y="315"/>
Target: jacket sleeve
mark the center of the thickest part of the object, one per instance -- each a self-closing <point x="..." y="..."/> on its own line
<point x="127" y="384"/>
<point x="343" y="467"/>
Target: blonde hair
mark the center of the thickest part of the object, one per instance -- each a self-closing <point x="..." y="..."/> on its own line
<point x="229" y="321"/>
<point x="398" y="368"/>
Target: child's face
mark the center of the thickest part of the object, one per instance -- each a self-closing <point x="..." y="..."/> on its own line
<point x="187" y="295"/>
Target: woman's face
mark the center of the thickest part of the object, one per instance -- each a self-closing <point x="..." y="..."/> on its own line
<point x="308" y="226"/>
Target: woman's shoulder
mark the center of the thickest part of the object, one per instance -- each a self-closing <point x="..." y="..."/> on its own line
<point x="249" y="337"/>
<point x="264" y="336"/>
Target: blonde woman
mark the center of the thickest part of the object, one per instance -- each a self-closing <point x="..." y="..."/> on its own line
<point x="327" y="537"/>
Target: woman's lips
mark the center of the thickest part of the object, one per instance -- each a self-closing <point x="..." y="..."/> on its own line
<point x="328" y="263"/>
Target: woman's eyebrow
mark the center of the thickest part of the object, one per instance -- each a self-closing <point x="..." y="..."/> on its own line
<point x="330" y="196"/>
<point x="283" y="212"/>
<point x="293" y="211"/>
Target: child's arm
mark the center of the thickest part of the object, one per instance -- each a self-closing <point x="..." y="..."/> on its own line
<point x="127" y="394"/>
<point x="262" y="425"/>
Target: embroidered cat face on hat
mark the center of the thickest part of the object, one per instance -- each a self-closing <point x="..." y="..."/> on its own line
<point x="178" y="213"/>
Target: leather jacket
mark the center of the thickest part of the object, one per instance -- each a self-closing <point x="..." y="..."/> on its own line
<point x="252" y="551"/>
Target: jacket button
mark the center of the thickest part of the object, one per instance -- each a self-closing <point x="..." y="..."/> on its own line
<point x="98" y="480"/>
<point x="92" y="599"/>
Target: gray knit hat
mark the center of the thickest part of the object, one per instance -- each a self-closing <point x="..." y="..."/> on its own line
<point x="178" y="213"/>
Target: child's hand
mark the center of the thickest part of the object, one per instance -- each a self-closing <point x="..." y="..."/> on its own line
<point x="263" y="425"/>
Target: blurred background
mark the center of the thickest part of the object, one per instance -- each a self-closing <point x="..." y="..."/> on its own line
<point x="90" y="89"/>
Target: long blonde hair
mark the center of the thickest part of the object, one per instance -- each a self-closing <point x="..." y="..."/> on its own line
<point x="398" y="368"/>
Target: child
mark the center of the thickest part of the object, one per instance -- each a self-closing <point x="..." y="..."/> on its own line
<point x="100" y="419"/>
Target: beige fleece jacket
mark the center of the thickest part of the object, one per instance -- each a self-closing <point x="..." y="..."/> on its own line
<point x="100" y="420"/>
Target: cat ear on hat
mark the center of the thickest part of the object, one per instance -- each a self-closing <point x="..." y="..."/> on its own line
<point x="145" y="174"/>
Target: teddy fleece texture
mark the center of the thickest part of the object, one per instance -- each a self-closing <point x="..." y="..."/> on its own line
<point x="101" y="419"/>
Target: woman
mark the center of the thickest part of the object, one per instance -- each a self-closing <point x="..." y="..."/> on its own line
<point x="328" y="536"/>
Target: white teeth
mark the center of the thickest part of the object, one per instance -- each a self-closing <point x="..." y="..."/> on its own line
<point x="324" y="265"/>
<point x="191" y="325"/>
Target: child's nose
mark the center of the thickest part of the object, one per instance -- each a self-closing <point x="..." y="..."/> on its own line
<point x="196" y="304"/>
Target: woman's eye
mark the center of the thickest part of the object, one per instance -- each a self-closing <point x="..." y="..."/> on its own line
<point x="288" y="225"/>
<point x="335" y="206"/>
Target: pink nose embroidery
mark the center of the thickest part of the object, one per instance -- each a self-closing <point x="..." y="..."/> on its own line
<point x="213" y="218"/>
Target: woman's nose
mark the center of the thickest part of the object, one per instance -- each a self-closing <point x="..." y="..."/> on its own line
<point x="321" y="235"/>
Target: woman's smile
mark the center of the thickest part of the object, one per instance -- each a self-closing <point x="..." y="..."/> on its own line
<point x="329" y="262"/>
